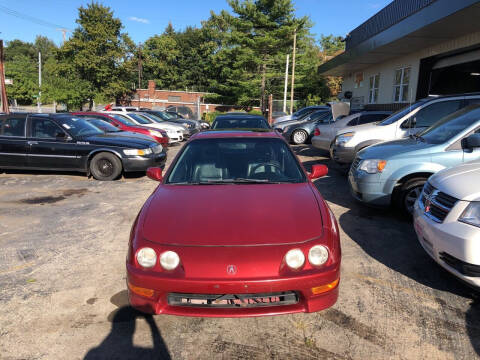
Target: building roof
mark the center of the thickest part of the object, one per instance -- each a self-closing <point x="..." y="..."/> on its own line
<point x="401" y="28"/>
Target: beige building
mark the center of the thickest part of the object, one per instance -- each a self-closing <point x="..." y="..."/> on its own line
<point x="409" y="50"/>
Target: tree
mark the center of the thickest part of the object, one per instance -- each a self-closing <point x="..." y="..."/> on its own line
<point x="257" y="37"/>
<point x="99" y="54"/>
<point x="332" y="46"/>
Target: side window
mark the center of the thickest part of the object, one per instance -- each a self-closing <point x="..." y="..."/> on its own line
<point x="431" y="114"/>
<point x="366" y="119"/>
<point x="14" y="127"/>
<point x="45" y="129"/>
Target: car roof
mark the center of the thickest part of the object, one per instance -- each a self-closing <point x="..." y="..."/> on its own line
<point x="215" y="134"/>
<point x="239" y="116"/>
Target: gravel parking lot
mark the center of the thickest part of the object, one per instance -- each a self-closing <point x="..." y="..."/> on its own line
<point x="63" y="241"/>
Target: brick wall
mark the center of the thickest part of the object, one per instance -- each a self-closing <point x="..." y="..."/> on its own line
<point x="153" y="98"/>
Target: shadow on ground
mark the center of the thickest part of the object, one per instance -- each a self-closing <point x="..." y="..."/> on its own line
<point x="119" y="342"/>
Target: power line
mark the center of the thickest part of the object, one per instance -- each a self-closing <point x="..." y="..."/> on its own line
<point x="30" y="18"/>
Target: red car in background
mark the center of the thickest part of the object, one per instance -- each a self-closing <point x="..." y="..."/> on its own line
<point x="125" y="124"/>
<point x="256" y="236"/>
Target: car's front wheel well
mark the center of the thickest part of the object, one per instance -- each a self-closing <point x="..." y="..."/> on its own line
<point x="398" y="186"/>
<point x="92" y="155"/>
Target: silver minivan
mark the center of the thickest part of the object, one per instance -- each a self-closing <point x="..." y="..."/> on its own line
<point x="405" y="122"/>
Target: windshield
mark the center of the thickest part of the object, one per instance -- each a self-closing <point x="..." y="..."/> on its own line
<point x="103" y="125"/>
<point x="140" y="119"/>
<point x="451" y="125"/>
<point x="303" y="112"/>
<point x="238" y="122"/>
<point x="400" y="113"/>
<point x="161" y="116"/>
<point x="236" y="160"/>
<point x="123" y="119"/>
<point x="319" y="115"/>
<point x="153" y="117"/>
<point x="79" y="127"/>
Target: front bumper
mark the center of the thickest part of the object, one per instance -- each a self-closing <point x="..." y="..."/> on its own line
<point x="452" y="244"/>
<point x="369" y="188"/>
<point x="163" y="286"/>
<point x="342" y="155"/>
<point x="190" y="132"/>
<point x="142" y="163"/>
<point x="175" y="136"/>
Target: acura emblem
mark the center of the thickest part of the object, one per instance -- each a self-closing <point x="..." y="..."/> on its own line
<point x="231" y="269"/>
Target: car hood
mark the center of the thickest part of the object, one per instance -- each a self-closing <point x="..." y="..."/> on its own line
<point x="358" y="128"/>
<point x="395" y="149"/>
<point x="460" y="181"/>
<point x="233" y="215"/>
<point x="121" y="141"/>
<point x="166" y="126"/>
<point x="284" y="124"/>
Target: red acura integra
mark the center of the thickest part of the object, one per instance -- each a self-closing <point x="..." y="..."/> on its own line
<point x="235" y="228"/>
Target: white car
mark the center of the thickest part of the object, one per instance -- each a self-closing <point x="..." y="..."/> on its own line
<point x="447" y="220"/>
<point x="174" y="132"/>
<point x="325" y="133"/>
<point x="124" y="109"/>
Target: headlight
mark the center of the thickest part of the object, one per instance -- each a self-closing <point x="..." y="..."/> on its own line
<point x="318" y="255"/>
<point x="342" y="139"/>
<point x="471" y="215"/>
<point x="373" y="166"/>
<point x="169" y="260"/>
<point x="146" y="257"/>
<point x="295" y="259"/>
<point x="155" y="133"/>
<point x="139" y="152"/>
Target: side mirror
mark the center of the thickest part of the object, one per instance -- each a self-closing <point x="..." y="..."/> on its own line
<point x="318" y="171"/>
<point x="280" y="130"/>
<point x="471" y="142"/>
<point x="155" y="173"/>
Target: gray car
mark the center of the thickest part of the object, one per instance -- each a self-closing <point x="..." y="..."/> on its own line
<point x="300" y="132"/>
<point x="300" y="113"/>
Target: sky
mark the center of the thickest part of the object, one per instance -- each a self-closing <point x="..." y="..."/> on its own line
<point x="142" y="19"/>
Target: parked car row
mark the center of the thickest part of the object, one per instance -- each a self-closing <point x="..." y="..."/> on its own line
<point x="67" y="142"/>
<point x="392" y="162"/>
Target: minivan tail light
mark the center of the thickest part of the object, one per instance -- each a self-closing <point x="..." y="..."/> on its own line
<point x="317" y="132"/>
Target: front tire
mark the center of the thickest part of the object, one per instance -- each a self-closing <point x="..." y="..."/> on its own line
<point x="408" y="194"/>
<point x="105" y="166"/>
<point x="299" y="137"/>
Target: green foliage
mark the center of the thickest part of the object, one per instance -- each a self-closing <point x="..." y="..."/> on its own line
<point x="24" y="72"/>
<point x="98" y="53"/>
<point x="331" y="45"/>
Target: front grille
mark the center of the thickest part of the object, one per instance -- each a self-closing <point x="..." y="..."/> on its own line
<point x="233" y="300"/>
<point x="461" y="266"/>
<point x="355" y="163"/>
<point x="436" y="204"/>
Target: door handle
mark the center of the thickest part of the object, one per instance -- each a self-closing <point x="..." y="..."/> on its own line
<point x="32" y="142"/>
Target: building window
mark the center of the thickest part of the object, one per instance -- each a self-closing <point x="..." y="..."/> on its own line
<point x="400" y="86"/>
<point x="373" y="89"/>
<point x="172" y="98"/>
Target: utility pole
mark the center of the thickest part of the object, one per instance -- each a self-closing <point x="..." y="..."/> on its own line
<point x="270" y="109"/>
<point x="262" y="91"/>
<point x="293" y="70"/>
<point x="64" y="34"/>
<point x="140" y="66"/>
<point x="3" y="91"/>
<point x="39" y="101"/>
<point x="286" y="86"/>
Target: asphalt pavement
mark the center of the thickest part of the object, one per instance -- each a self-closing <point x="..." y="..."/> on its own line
<point x="63" y="241"/>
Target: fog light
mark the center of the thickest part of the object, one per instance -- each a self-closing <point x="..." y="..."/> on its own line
<point x="140" y="291"/>
<point x="169" y="260"/>
<point x="295" y="259"/>
<point x="324" y="288"/>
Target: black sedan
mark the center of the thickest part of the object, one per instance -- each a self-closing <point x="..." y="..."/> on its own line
<point x="68" y="143"/>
